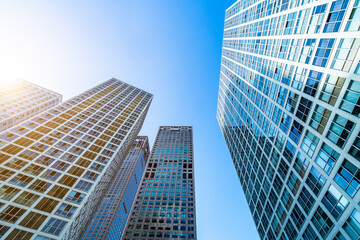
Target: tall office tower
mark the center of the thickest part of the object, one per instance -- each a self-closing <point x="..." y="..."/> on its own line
<point x="56" y="167"/>
<point x="165" y="202"/>
<point x="289" y="111"/>
<point x="110" y="218"/>
<point x="20" y="100"/>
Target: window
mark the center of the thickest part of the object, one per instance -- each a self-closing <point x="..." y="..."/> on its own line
<point x="297" y="216"/>
<point x="320" y="118"/>
<point x="322" y="222"/>
<point x="339" y="236"/>
<point x="310" y="233"/>
<point x="296" y="131"/>
<point x="289" y="151"/>
<point x="301" y="164"/>
<point x="316" y="18"/>
<point x="305" y="200"/>
<point x="348" y="178"/>
<point x="54" y="226"/>
<point x="299" y="77"/>
<point x="351" y="100"/>
<point x="11" y="214"/>
<point x="75" y="197"/>
<point x="46" y="204"/>
<point x="352" y="225"/>
<point x="323" y="52"/>
<point x="33" y="220"/>
<point x="27" y="199"/>
<point x="281" y="96"/>
<point x="301" y="21"/>
<point x="291" y="101"/>
<point x="340" y="130"/>
<point x="309" y="143"/>
<point x="335" y="202"/>
<point x="336" y="15"/>
<point x="294" y="49"/>
<point x="355" y="148"/>
<point x="290" y="230"/>
<point x="353" y="24"/>
<point x="315" y="180"/>
<point x="345" y="54"/>
<point x="303" y="109"/>
<point x="307" y="50"/>
<point x="66" y="210"/>
<point x="7" y="193"/>
<point x="331" y="89"/>
<point x="326" y="158"/>
<point x="312" y="82"/>
<point x="83" y="185"/>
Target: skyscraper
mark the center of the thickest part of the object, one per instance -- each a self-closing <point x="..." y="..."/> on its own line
<point x="288" y="107"/>
<point x="165" y="202"/>
<point x="56" y="168"/>
<point x="20" y="100"/>
<point x="110" y="218"/>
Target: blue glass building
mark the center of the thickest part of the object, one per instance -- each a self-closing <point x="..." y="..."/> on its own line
<point x="165" y="202"/>
<point x="289" y="107"/>
<point x="110" y="218"/>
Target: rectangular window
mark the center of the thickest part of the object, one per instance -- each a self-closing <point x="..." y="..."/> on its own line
<point x="353" y="24"/>
<point x="303" y="109"/>
<point x="310" y="233"/>
<point x="54" y="226"/>
<point x="291" y="101"/>
<point x="335" y="202"/>
<point x="296" y="131"/>
<point x="294" y="49"/>
<point x="307" y="50"/>
<point x="355" y="148"/>
<point x="326" y="158"/>
<point x="323" y="52"/>
<point x="301" y="164"/>
<point x="345" y="54"/>
<point x="351" y="100"/>
<point x="312" y="82"/>
<point x="316" y="18"/>
<point x="331" y="89"/>
<point x="315" y="180"/>
<point x="301" y="21"/>
<point x="309" y="143"/>
<point x="352" y="225"/>
<point x="335" y="16"/>
<point x="340" y="130"/>
<point x="322" y="222"/>
<point x="306" y="200"/>
<point x="348" y="178"/>
<point x="320" y="118"/>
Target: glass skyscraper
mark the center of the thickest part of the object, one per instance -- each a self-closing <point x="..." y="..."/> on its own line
<point x="110" y="218"/>
<point x="56" y="167"/>
<point x="289" y="107"/>
<point x="20" y="100"/>
<point x="165" y="202"/>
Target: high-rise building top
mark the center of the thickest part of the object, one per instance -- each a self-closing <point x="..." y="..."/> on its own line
<point x="165" y="202"/>
<point x="20" y="100"/>
<point x="289" y="107"/>
<point x="110" y="218"/>
<point x="56" y="167"/>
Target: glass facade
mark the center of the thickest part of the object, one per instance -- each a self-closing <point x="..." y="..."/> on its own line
<point x="57" y="166"/>
<point x="164" y="207"/>
<point x="109" y="220"/>
<point x="288" y="108"/>
<point x="20" y="100"/>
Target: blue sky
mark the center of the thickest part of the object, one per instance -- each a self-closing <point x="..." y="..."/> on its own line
<point x="169" y="48"/>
